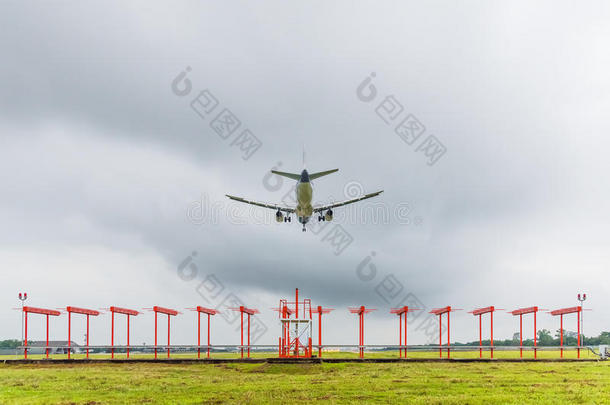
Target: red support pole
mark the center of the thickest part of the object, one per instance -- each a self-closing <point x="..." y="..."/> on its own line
<point x="521" y="335"/>
<point x="359" y="334"/>
<point x="47" y="336"/>
<point x="480" y="338"/>
<point x="448" y="335"/>
<point x="535" y="337"/>
<point x="198" y="334"/>
<point x="492" y="334"/>
<point x="561" y="333"/>
<point x="168" y="318"/>
<point x="87" y="336"/>
<point x="69" y="331"/>
<point x="112" y="336"/>
<point x="208" y="335"/>
<point x="309" y="350"/>
<point x="319" y="331"/>
<point x="248" y="335"/>
<point x="242" y="333"/>
<point x="440" y="336"/>
<point x="406" y="334"/>
<point x="362" y="333"/>
<point x="578" y="320"/>
<point x="287" y="341"/>
<point x="25" y="342"/>
<point x="127" y="335"/>
<point x="155" y="335"/>
<point x="399" y="335"/>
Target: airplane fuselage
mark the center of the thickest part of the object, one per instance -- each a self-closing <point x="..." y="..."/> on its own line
<point x="304" y="208"/>
<point x="304" y="195"/>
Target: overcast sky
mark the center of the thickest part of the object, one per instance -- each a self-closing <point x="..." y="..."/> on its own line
<point x="111" y="180"/>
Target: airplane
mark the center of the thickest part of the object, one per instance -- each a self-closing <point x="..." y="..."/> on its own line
<point x="304" y="194"/>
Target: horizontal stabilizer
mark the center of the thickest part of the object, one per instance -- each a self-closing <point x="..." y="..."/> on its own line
<point x="289" y="175"/>
<point x="314" y="176"/>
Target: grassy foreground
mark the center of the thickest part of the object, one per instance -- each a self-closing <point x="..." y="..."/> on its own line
<point x="427" y="383"/>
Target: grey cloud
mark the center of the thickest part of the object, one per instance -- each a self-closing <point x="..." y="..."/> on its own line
<point x="98" y="151"/>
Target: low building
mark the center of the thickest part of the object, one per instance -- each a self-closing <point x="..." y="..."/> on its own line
<point x="57" y="347"/>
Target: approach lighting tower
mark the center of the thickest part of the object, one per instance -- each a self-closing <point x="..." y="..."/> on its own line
<point x="295" y="338"/>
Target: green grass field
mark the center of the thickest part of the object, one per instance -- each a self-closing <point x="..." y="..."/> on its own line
<point x="429" y="383"/>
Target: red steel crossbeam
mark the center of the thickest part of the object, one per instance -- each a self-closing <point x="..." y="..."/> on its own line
<point x="400" y="312"/>
<point x="124" y="311"/>
<point x="248" y="311"/>
<point x="169" y="313"/>
<point x="521" y="312"/>
<point x="41" y="311"/>
<point x="319" y="310"/>
<point x="439" y="312"/>
<point x="480" y="312"/>
<point x="209" y="312"/>
<point x="360" y="311"/>
<point x="564" y="311"/>
<point x="83" y="311"/>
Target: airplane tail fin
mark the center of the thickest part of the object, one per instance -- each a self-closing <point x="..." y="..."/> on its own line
<point x="289" y="175"/>
<point x="320" y="174"/>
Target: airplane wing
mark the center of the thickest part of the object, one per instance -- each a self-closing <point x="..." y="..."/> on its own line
<point x="339" y="204"/>
<point x="261" y="204"/>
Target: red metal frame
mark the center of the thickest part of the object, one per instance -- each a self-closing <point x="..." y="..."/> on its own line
<point x="124" y="311"/>
<point x="169" y="313"/>
<point x="439" y="312"/>
<point x="521" y="312"/>
<point x="361" y="311"/>
<point x="564" y="311"/>
<point x="41" y="311"/>
<point x="400" y="311"/>
<point x="480" y="312"/>
<point x="209" y="312"/>
<point x="249" y="311"/>
<point x="290" y="347"/>
<point x="83" y="311"/>
<point x="319" y="310"/>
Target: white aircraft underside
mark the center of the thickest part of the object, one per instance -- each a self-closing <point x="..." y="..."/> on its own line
<point x="304" y="197"/>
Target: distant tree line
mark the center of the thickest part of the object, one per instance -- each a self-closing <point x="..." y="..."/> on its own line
<point x="10" y="344"/>
<point x="546" y="339"/>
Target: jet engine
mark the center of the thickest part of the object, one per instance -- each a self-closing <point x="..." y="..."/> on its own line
<point x="328" y="216"/>
<point x="279" y="217"/>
